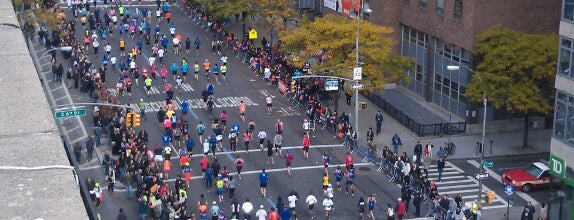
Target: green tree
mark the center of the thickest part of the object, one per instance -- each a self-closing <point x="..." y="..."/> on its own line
<point x="336" y="36"/>
<point x="518" y="72"/>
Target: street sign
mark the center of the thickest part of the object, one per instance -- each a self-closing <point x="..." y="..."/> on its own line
<point x="357" y="73"/>
<point x="332" y="85"/>
<point x="509" y="190"/>
<point x="487" y="164"/>
<point x="70" y="113"/>
<point x="481" y="175"/>
<point x="358" y="86"/>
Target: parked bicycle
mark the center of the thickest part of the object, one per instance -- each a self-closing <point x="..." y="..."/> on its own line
<point x="448" y="129"/>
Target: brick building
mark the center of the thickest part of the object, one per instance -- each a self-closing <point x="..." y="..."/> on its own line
<point x="438" y="33"/>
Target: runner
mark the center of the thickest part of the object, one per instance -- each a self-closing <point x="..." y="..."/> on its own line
<point x="187" y="173"/>
<point x="311" y="200"/>
<point x="215" y="70"/>
<point x="270" y="152"/>
<point x="292" y="199"/>
<point x="277" y="143"/>
<point x="288" y="161"/>
<point x="306" y="144"/>
<point x="200" y="128"/>
<point x="325" y="181"/>
<point x="269" y="102"/>
<point x="279" y="127"/>
<point x="348" y="161"/>
<point x="246" y="139"/>
<point x="233" y="141"/>
<point x="371" y="201"/>
<point x="261" y="135"/>
<point x="328" y="206"/>
<point x="223" y="117"/>
<point x="339" y="176"/>
<point x="251" y="126"/>
<point x="349" y="184"/>
<point x="238" y="162"/>
<point x="223" y="70"/>
<point x="362" y="206"/>
<point x="263" y="181"/>
<point x="306" y="127"/>
<point x="219" y="187"/>
<point x="196" y="71"/>
<point x="207" y="67"/>
<point x="242" y="108"/>
<point x="326" y="160"/>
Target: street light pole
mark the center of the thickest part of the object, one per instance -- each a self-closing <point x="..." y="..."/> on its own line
<point x="66" y="48"/>
<point x="356" y="81"/>
<point x="484" y="105"/>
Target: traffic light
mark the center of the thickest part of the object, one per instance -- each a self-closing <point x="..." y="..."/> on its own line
<point x="136" y="119"/>
<point x="129" y="119"/>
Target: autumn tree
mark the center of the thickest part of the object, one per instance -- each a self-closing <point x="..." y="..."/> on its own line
<point x="336" y="36"/>
<point x="221" y="9"/>
<point x="518" y="72"/>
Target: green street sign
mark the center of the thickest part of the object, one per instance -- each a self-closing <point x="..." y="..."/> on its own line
<point x="487" y="164"/>
<point x="70" y="113"/>
<point x="557" y="166"/>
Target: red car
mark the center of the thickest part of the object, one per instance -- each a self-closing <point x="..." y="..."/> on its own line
<point x="535" y="175"/>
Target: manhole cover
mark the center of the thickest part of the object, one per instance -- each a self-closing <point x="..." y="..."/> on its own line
<point x="364" y="168"/>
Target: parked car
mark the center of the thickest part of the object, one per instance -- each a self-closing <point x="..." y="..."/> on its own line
<point x="535" y="175"/>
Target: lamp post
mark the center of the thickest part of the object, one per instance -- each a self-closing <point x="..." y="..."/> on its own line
<point x="484" y="104"/>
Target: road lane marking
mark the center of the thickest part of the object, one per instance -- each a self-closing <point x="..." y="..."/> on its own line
<point x="279" y="170"/>
<point x="259" y="150"/>
<point x="497" y="177"/>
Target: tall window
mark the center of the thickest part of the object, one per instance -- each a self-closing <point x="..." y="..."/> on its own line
<point x="423" y="3"/>
<point x="565" y="57"/>
<point x="564" y="117"/>
<point x="568" y="13"/>
<point x="457" y="13"/>
<point x="440" y="7"/>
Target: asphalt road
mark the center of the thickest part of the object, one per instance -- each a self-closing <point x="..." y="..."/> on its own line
<point x="242" y="84"/>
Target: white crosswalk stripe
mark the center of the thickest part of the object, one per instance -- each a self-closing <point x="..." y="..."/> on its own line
<point x="455" y="181"/>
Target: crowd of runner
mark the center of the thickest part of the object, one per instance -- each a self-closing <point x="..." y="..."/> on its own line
<point x="144" y="169"/>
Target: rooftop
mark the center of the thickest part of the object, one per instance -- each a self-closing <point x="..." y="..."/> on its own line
<point x="29" y="138"/>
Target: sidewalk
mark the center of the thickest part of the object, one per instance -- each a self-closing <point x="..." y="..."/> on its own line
<point x="503" y="144"/>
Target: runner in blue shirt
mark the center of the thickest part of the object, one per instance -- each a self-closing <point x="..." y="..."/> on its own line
<point x="165" y="139"/>
<point x="189" y="144"/>
<point x="174" y="70"/>
<point x="184" y="108"/>
<point x="339" y="176"/>
<point x="263" y="180"/>
<point x="326" y="161"/>
<point x="235" y="127"/>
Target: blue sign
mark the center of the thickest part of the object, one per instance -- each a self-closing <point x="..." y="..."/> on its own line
<point x="509" y="190"/>
<point x="510" y="200"/>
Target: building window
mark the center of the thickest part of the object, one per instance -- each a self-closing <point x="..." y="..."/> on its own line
<point x="457" y="13"/>
<point x="423" y="3"/>
<point x="565" y="57"/>
<point x="418" y="72"/>
<point x="568" y="13"/>
<point x="416" y="37"/>
<point x="564" y="117"/>
<point x="440" y="7"/>
<point x="452" y="52"/>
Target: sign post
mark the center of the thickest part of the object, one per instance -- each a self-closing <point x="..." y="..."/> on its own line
<point x="509" y="190"/>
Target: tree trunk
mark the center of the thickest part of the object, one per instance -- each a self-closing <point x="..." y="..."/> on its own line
<point x="525" y="137"/>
